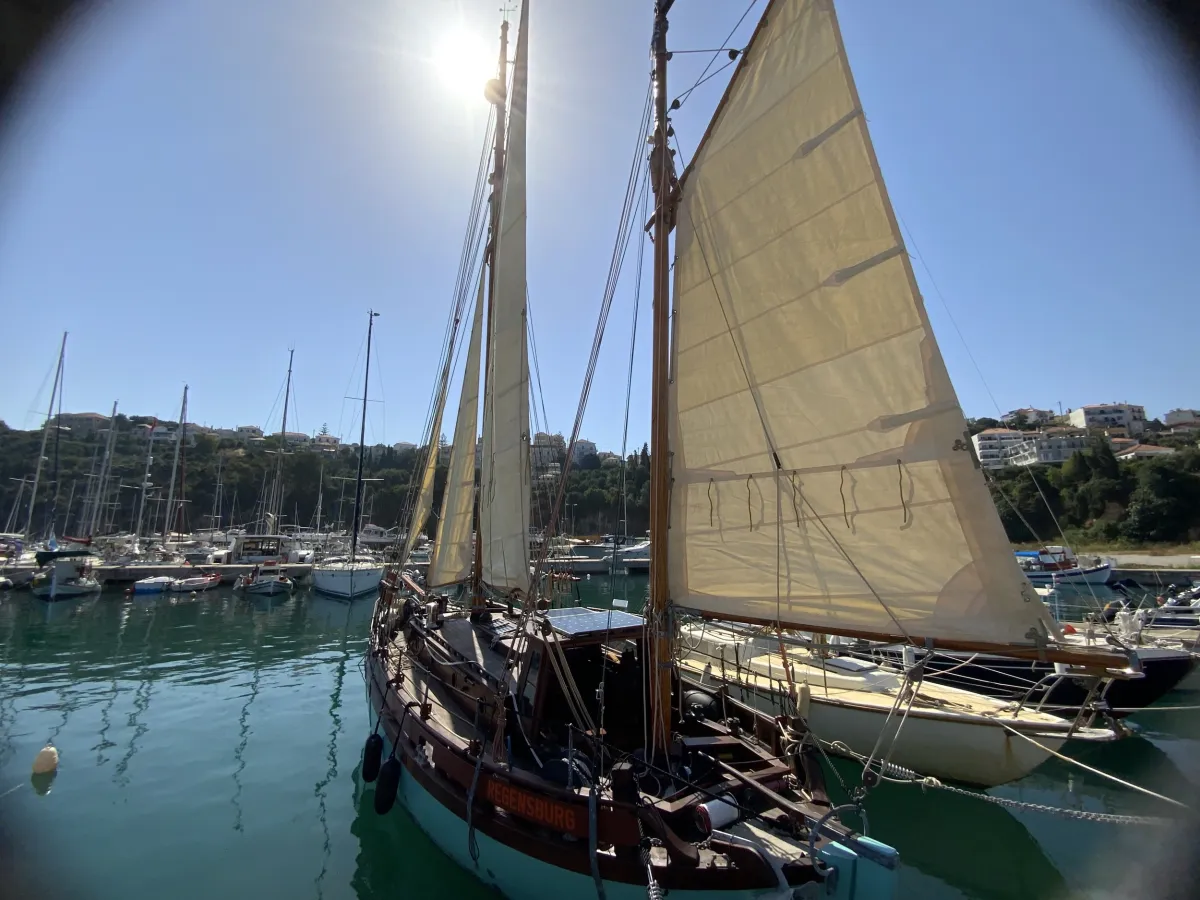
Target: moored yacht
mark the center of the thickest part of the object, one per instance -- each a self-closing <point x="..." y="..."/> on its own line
<point x="353" y="576"/>
<point x="1057" y="564"/>
<point x="65" y="574"/>
<point x="849" y="702"/>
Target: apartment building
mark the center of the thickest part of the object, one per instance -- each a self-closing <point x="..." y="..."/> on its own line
<point x="1110" y="416"/>
<point x="992" y="446"/>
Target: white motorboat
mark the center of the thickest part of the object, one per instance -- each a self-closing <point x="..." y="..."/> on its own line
<point x="949" y="733"/>
<point x="156" y="584"/>
<point x="636" y="558"/>
<point x="196" y="583"/>
<point x="341" y="577"/>
<point x="1059" y="565"/>
<point x="65" y="574"/>
<point x="268" y="579"/>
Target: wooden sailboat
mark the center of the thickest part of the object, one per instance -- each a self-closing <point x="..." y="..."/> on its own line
<point x="353" y="576"/>
<point x="491" y="724"/>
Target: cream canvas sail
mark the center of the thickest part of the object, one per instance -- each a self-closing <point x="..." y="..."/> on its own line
<point x="425" y="491"/>
<point x="451" y="560"/>
<point x="822" y="474"/>
<point x="504" y="477"/>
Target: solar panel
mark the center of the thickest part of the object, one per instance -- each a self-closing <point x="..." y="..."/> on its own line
<point x="577" y="621"/>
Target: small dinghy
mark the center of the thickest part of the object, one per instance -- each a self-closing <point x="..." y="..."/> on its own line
<point x="156" y="584"/>
<point x="196" y="583"/>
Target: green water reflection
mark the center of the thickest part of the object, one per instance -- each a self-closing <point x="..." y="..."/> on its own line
<point x="209" y="747"/>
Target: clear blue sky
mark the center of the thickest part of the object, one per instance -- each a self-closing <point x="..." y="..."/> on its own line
<point x="190" y="188"/>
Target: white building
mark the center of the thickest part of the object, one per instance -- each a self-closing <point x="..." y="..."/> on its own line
<point x="82" y="425"/>
<point x="1108" y="416"/>
<point x="1032" y="416"/>
<point x="582" y="448"/>
<point x="1040" y="448"/>
<point x="992" y="445"/>
<point x="543" y="452"/>
<point x="327" y="442"/>
<point x="1182" y="417"/>
<point x="403" y="445"/>
<point x="1145" y="451"/>
<point x="295" y="438"/>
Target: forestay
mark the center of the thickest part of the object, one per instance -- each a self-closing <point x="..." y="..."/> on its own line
<point x="504" y="477"/>
<point x="822" y="473"/>
<point x="451" y="559"/>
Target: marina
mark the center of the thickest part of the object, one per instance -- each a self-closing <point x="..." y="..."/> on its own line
<point x="794" y="626"/>
<point x="127" y="575"/>
<point x="221" y="726"/>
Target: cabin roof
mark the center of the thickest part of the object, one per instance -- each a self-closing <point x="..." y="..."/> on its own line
<point x="578" y="621"/>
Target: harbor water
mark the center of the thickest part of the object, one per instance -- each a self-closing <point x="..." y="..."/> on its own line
<point x="210" y="745"/>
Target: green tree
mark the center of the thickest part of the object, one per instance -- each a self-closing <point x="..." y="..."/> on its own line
<point x="974" y="426"/>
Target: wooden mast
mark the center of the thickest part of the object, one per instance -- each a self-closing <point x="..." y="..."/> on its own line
<point x="497" y="94"/>
<point x="662" y="180"/>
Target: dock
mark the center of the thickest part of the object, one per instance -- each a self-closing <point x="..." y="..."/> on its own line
<point x="1157" y="577"/>
<point x="121" y="575"/>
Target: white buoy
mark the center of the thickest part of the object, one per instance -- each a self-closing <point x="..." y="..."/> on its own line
<point x="46" y="761"/>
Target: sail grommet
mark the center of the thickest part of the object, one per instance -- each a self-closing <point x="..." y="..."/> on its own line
<point x="372" y="756"/>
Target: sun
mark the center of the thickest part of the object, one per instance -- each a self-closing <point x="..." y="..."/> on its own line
<point x="464" y="62"/>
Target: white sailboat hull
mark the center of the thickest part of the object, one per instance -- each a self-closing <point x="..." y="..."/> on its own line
<point x="269" y="587"/>
<point x="195" y="584"/>
<point x="948" y="747"/>
<point x="265" y="585"/>
<point x="1090" y="575"/>
<point x="347" y="581"/>
<point x="66" y="591"/>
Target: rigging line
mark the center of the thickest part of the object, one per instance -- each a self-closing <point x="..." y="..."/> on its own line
<point x="476" y="227"/>
<point x="637" y="171"/>
<point x="349" y="386"/>
<point x="1094" y="771"/>
<point x="717" y="50"/>
<point x="978" y="371"/>
<point x="532" y="339"/>
<point x="463" y="298"/>
<point x="637" y="295"/>
<point x="682" y="98"/>
<point x="715" y="53"/>
<point x="946" y="307"/>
